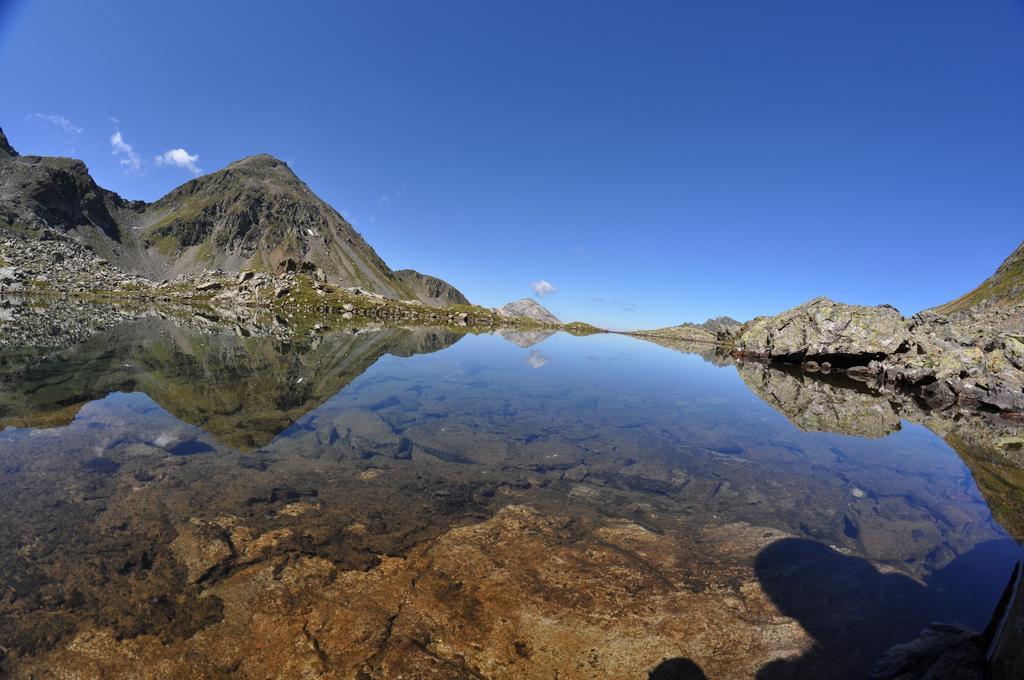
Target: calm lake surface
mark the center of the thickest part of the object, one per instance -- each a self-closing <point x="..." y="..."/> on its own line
<point x="197" y="499"/>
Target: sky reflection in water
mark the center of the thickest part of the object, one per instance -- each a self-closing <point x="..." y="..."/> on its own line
<point x="862" y="541"/>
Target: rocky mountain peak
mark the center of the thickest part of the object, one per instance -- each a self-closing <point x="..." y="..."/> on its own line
<point x="261" y="162"/>
<point x="528" y="308"/>
<point x="254" y="214"/>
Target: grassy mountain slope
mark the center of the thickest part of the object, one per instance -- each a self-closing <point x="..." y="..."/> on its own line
<point x="1005" y="286"/>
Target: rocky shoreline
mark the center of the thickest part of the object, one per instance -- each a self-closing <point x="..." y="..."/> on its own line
<point x="967" y="361"/>
<point x="857" y="370"/>
<point x="970" y="360"/>
<point x="57" y="266"/>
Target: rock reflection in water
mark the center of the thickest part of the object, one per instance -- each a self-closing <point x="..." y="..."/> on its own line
<point x="523" y="338"/>
<point x="988" y="443"/>
<point x="206" y="504"/>
<point x="241" y="390"/>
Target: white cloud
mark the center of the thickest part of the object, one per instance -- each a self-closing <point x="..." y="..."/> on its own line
<point x="60" y="121"/>
<point x="536" y="359"/>
<point x="542" y="288"/>
<point x="180" y="158"/>
<point x="119" y="147"/>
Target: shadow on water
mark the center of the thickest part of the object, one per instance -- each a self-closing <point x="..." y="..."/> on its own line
<point x="855" y="612"/>
<point x="677" y="669"/>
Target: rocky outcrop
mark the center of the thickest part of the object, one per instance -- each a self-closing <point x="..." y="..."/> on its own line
<point x="823" y="330"/>
<point x="687" y="332"/>
<point x="430" y="290"/>
<point x="38" y="193"/>
<point x="722" y="325"/>
<point x="717" y="330"/>
<point x="970" y="359"/>
<point x="254" y="214"/>
<point x="528" y="309"/>
<point x="6" y="150"/>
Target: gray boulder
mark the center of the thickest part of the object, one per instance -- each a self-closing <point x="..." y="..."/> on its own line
<point x="821" y="329"/>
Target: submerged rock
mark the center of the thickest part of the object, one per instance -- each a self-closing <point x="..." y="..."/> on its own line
<point x="942" y="651"/>
<point x="200" y="548"/>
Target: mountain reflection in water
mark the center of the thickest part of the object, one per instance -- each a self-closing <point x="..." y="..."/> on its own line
<point x="194" y="497"/>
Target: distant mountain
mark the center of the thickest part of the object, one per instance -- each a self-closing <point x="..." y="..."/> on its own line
<point x="254" y="214"/>
<point x="430" y="289"/>
<point x="720" y="324"/>
<point x="529" y="309"/>
<point x="709" y="331"/>
<point x="1005" y="286"/>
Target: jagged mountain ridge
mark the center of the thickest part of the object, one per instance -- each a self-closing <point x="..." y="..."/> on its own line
<point x="708" y="332"/>
<point x="253" y="214"/>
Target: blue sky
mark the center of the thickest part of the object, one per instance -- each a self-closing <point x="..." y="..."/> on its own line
<point x="654" y="161"/>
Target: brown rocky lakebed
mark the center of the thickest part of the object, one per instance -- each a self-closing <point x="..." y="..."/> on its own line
<point x="200" y="498"/>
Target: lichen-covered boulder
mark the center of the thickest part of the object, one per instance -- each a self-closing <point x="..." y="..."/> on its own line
<point x="824" y="328"/>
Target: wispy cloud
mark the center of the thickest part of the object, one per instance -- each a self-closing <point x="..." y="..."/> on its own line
<point x="119" y="147"/>
<point x="180" y="158"/>
<point x="542" y="288"/>
<point x="536" y="359"/>
<point x="60" y="121"/>
<point x="625" y="306"/>
<point x="386" y="198"/>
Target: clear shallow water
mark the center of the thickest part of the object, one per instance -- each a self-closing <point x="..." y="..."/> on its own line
<point x="130" y="460"/>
